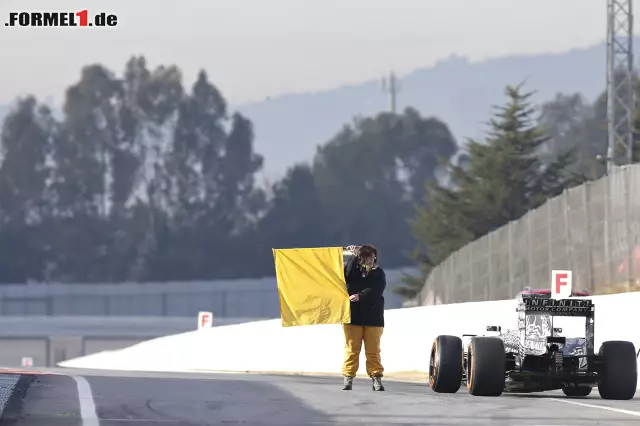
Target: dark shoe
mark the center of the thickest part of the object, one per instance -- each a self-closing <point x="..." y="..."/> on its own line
<point x="377" y="383"/>
<point x="348" y="383"/>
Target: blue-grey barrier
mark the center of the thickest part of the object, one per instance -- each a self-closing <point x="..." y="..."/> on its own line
<point x="243" y="298"/>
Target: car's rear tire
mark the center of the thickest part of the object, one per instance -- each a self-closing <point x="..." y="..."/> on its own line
<point x="577" y="391"/>
<point x="619" y="375"/>
<point x="486" y="366"/>
<point x="445" y="364"/>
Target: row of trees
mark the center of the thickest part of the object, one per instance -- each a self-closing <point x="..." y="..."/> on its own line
<point x="529" y="155"/>
<point x="143" y="179"/>
<point x="505" y="176"/>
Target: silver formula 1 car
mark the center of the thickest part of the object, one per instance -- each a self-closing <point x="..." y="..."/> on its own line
<point x="535" y="357"/>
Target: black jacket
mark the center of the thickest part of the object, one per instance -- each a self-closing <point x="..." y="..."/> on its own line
<point x="369" y="310"/>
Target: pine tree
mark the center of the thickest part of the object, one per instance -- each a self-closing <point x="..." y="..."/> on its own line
<point x="503" y="178"/>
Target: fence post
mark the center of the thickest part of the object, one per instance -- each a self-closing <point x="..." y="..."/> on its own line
<point x="447" y="290"/>
<point x="627" y="226"/>
<point x="549" y="237"/>
<point x="587" y="204"/>
<point x="510" y="262"/>
<point x="488" y="294"/>
<point x="470" y="280"/>
<point x="530" y="248"/>
<point x="607" y="254"/>
<point x="567" y="228"/>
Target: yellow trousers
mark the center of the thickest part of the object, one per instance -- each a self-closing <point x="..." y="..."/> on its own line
<point x="354" y="335"/>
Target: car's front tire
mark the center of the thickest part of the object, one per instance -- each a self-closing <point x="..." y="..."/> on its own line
<point x="445" y="364"/>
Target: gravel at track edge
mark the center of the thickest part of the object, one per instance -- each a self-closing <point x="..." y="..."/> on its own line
<point x="8" y="384"/>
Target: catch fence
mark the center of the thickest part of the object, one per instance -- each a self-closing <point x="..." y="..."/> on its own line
<point x="592" y="229"/>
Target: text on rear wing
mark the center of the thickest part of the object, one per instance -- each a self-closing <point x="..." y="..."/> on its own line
<point x="560" y="307"/>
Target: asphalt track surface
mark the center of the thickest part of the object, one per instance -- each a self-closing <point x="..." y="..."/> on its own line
<point x="95" y="398"/>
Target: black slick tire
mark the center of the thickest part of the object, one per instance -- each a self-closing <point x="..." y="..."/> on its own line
<point x="445" y="364"/>
<point x="486" y="366"/>
<point x="619" y="374"/>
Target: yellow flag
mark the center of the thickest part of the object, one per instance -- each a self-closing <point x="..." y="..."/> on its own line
<point x="311" y="286"/>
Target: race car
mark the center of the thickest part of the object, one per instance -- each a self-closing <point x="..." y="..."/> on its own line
<point x="535" y="357"/>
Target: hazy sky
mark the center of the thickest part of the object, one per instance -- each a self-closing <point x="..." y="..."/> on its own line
<point x="258" y="48"/>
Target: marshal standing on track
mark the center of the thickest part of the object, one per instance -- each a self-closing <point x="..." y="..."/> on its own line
<point x="366" y="283"/>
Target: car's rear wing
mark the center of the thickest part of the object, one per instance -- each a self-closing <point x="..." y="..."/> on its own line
<point x="558" y="307"/>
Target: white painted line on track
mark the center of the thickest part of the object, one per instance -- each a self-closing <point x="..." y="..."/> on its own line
<point x="600" y="407"/>
<point x="87" y="405"/>
<point x="154" y="421"/>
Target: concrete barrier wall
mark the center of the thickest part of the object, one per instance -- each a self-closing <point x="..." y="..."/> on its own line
<point x="49" y="340"/>
<point x="13" y="349"/>
<point x="225" y="298"/>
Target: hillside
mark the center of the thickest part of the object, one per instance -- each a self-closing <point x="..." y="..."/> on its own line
<point x="289" y="127"/>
